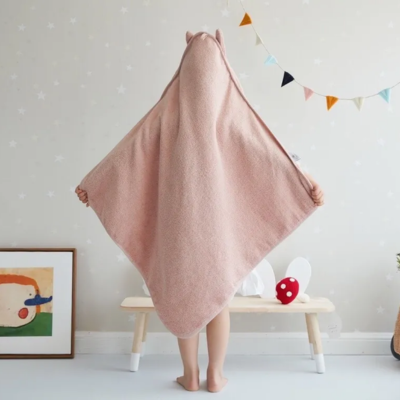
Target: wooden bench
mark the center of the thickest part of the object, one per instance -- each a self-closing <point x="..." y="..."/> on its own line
<point x="143" y="306"/>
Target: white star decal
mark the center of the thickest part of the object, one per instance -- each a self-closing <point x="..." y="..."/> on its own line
<point x="41" y="96"/>
<point x="51" y="193"/>
<point x="19" y="53"/>
<point x="382" y="74"/>
<point x="331" y="292"/>
<point x="124" y="10"/>
<point x="89" y="73"/>
<point x="132" y="318"/>
<point x="59" y="158"/>
<point x="121" y="89"/>
<point x="88" y="241"/>
<point x="306" y="2"/>
<point x="90" y="37"/>
<point x="57" y="123"/>
<point x="357" y="163"/>
<point x="75" y="226"/>
<point x="22" y="196"/>
<point x="389" y="277"/>
<point x="72" y="189"/>
<point x="107" y="44"/>
<point x="382" y="243"/>
<point x="148" y="43"/>
<point x="35" y="137"/>
<point x="21" y="111"/>
<point x="14" y="77"/>
<point x="381" y="142"/>
<point x="129" y="67"/>
<point x="56" y="83"/>
<point x="317" y="61"/>
<point x="13" y="143"/>
<point x="146" y="3"/>
<point x="14" y="244"/>
<point x="21" y="27"/>
<point x="83" y="86"/>
<point x="391" y="25"/>
<point x="127" y="47"/>
<point x="317" y="230"/>
<point x="121" y="257"/>
<point x="380" y="310"/>
<point x="18" y="221"/>
<point x="390" y="194"/>
<point x="54" y="231"/>
<point x="272" y="328"/>
<point x="72" y="21"/>
<point x="225" y="12"/>
<point x="243" y="75"/>
<point x="50" y="25"/>
<point x="205" y="28"/>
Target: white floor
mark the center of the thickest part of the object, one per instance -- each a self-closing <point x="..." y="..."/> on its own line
<point x="250" y="377"/>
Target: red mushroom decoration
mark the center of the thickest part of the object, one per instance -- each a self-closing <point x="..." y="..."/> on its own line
<point x="287" y="290"/>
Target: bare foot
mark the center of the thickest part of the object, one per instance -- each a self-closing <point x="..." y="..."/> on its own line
<point x="190" y="383"/>
<point x="215" y="381"/>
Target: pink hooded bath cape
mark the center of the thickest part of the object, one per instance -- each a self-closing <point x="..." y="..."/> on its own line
<point x="199" y="191"/>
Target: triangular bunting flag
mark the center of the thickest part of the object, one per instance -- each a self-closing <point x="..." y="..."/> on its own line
<point x="359" y="102"/>
<point x="385" y="94"/>
<point x="331" y="101"/>
<point x="258" y="40"/>
<point x="270" y="60"/>
<point x="246" y="20"/>
<point x="287" y="78"/>
<point x="308" y="93"/>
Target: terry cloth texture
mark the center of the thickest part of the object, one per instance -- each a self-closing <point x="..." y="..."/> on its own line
<point x="199" y="191"/>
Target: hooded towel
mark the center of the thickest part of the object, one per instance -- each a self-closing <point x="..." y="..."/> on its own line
<point x="199" y="191"/>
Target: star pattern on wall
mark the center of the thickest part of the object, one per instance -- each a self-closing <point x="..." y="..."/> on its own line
<point x="63" y="100"/>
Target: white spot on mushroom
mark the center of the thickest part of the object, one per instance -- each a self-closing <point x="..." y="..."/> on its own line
<point x="291" y="279"/>
<point x="289" y="294"/>
<point x="283" y="286"/>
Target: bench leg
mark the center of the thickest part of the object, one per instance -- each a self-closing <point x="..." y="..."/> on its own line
<point x="317" y="344"/>
<point x="137" y="341"/>
<point x="146" y="323"/>
<point x="310" y="336"/>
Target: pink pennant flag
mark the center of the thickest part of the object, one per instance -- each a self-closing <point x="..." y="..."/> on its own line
<point x="308" y="93"/>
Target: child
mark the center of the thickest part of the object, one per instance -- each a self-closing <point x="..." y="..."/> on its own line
<point x="217" y="331"/>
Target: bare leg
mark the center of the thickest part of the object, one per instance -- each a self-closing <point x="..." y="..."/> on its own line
<point x="189" y="353"/>
<point x="217" y="342"/>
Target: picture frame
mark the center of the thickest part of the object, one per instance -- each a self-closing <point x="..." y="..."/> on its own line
<point x="37" y="302"/>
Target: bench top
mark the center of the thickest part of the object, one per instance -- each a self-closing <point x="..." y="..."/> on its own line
<point x="245" y="304"/>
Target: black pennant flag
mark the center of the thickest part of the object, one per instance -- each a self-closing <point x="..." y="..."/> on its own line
<point x="287" y="78"/>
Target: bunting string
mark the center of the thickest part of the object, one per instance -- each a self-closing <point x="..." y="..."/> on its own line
<point x="288" y="78"/>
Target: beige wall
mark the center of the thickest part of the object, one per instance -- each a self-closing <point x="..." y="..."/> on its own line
<point x="78" y="65"/>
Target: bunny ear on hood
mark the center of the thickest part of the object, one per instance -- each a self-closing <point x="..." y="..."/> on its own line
<point x="199" y="191"/>
<point x="189" y="36"/>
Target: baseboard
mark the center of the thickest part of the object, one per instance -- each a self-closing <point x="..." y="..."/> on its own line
<point x="372" y="343"/>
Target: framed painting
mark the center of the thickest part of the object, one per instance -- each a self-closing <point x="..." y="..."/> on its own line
<point x="37" y="303"/>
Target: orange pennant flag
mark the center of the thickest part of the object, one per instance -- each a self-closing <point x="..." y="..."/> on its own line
<point x="330" y="101"/>
<point x="246" y="20"/>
